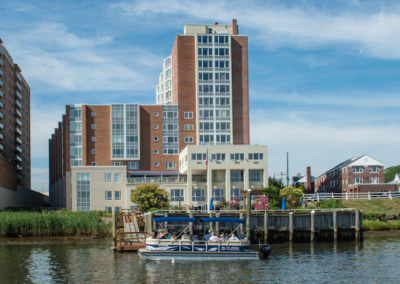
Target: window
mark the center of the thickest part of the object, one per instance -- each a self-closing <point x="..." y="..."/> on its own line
<point x="117" y="195"/>
<point x="373" y="180"/>
<point x="189" y="139"/>
<point x="218" y="194"/>
<point x="155" y="139"/>
<point x="236" y="194"/>
<point x="155" y="114"/>
<point x="133" y="165"/>
<point x="374" y="169"/>
<point x="177" y="195"/>
<point x="108" y="195"/>
<point x="93" y="126"/>
<point x="218" y="156"/>
<point x="108" y="209"/>
<point x="93" y="163"/>
<point x="83" y="191"/>
<point x="358" y="169"/>
<point x="93" y="151"/>
<point x="156" y="151"/>
<point x="93" y="138"/>
<point x="155" y="126"/>
<point x="93" y="114"/>
<point x="117" y="177"/>
<point x="188" y="115"/>
<point x="108" y="177"/>
<point x="170" y="165"/>
<point x="256" y="156"/>
<point x="236" y="175"/>
<point x="117" y="208"/>
<point x="117" y="164"/>
<point x="237" y="156"/>
<point x="198" y="195"/>
<point x="156" y="164"/>
<point x="255" y="175"/>
<point x="188" y="127"/>
<point x="358" y="180"/>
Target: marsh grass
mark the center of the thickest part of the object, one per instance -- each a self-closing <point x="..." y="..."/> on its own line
<point x="53" y="223"/>
<point x="370" y="225"/>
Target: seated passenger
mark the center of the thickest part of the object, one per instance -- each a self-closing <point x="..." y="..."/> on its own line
<point x="185" y="236"/>
<point x="222" y="237"/>
<point x="207" y="236"/>
<point x="214" y="238"/>
<point x="152" y="236"/>
<point x="233" y="237"/>
<point x="173" y="237"/>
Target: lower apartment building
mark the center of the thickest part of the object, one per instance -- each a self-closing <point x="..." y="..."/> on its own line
<point x="230" y="170"/>
<point x="357" y="174"/>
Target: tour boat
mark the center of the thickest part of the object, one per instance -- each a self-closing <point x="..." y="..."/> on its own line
<point x="168" y="249"/>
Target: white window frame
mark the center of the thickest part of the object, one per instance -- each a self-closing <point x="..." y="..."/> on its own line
<point x="93" y="138"/>
<point x="155" y="139"/>
<point x="115" y="195"/>
<point x="93" y="151"/>
<point x="189" y="139"/>
<point x="106" y="197"/>
<point x="115" y="179"/>
<point x="188" y="127"/>
<point x="108" y="177"/>
<point x="93" y="126"/>
<point x="93" y="114"/>
<point x="188" y="115"/>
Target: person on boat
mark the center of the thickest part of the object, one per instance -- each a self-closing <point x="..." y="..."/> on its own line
<point x="152" y="236"/>
<point x="173" y="237"/>
<point x="233" y="237"/>
<point x="222" y="237"/>
<point x="169" y="236"/>
<point x="214" y="238"/>
<point x="185" y="236"/>
<point x="207" y="236"/>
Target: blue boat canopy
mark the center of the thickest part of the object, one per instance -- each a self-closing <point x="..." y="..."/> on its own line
<point x="222" y="220"/>
<point x="174" y="219"/>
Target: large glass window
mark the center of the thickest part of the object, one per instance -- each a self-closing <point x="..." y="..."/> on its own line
<point x="83" y="191"/>
<point x="117" y="177"/>
<point x="107" y="177"/>
<point x="170" y="130"/>
<point x="177" y="195"/>
<point x="75" y="118"/>
<point x="236" y="175"/>
<point x="218" y="194"/>
<point x="236" y="194"/>
<point x="198" y="195"/>
<point x="108" y="195"/>
<point x="117" y="195"/>
<point x="133" y="165"/>
<point x="255" y="175"/>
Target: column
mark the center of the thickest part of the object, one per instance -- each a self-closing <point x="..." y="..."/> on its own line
<point x="227" y="184"/>
<point x="246" y="184"/>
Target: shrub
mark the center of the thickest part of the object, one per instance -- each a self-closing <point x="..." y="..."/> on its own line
<point x="329" y="203"/>
<point x="292" y="196"/>
<point x="149" y="196"/>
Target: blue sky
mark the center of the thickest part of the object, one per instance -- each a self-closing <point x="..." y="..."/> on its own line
<point x="324" y="78"/>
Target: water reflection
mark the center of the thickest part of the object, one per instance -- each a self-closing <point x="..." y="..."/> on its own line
<point x="374" y="261"/>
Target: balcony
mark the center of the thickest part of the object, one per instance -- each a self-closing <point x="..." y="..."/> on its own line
<point x="18" y="95"/>
<point x="19" y="149"/>
<point x="18" y="104"/>
<point x="159" y="180"/>
<point x="1" y="147"/>
<point x="19" y="77"/>
<point x="18" y="86"/>
<point x="1" y="84"/>
<point x="1" y="115"/>
<point x="1" y="105"/>
<point x="1" y="62"/>
<point x="1" y="73"/>
<point x="18" y="122"/>
<point x="18" y="131"/>
<point x="19" y="158"/>
<point x="1" y="94"/>
<point x="1" y="125"/>
<point x="18" y="113"/>
<point x="19" y="140"/>
<point x="20" y="168"/>
<point x="1" y="136"/>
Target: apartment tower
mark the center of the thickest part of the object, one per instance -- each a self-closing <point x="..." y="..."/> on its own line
<point x="15" y="152"/>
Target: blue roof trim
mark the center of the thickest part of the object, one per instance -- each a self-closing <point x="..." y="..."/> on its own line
<point x="174" y="219"/>
<point x="222" y="220"/>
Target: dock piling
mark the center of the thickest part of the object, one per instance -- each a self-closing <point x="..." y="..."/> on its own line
<point x="265" y="227"/>
<point x="291" y="226"/>
<point x="312" y="225"/>
<point x="335" y="228"/>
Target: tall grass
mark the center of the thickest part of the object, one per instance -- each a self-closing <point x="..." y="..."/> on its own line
<point x="53" y="223"/>
<point x="370" y="225"/>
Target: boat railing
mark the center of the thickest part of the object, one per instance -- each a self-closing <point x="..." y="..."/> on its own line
<point x="208" y="244"/>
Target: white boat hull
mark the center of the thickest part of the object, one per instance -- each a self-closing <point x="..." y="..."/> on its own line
<point x="196" y="255"/>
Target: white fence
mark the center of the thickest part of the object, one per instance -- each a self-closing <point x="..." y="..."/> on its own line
<point x="350" y="196"/>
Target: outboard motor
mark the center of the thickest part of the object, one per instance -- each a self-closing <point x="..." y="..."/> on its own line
<point x="265" y="251"/>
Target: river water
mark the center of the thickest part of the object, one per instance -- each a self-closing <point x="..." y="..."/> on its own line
<point x="377" y="259"/>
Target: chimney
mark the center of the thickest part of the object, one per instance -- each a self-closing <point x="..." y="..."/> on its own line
<point x="308" y="179"/>
<point x="235" y="28"/>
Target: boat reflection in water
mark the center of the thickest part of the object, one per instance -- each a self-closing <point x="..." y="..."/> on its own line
<point x="186" y="249"/>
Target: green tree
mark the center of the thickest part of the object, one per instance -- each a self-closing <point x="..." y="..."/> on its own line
<point x="292" y="195"/>
<point x="273" y="196"/>
<point x="391" y="172"/>
<point x="272" y="181"/>
<point x="149" y="196"/>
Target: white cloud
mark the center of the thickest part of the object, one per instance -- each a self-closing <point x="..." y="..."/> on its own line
<point x="312" y="143"/>
<point x="56" y="58"/>
<point x="370" y="32"/>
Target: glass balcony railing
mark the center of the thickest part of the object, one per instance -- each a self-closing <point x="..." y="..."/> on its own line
<point x="1" y="147"/>
<point x="1" y="115"/>
<point x="18" y="113"/>
<point x="19" y="86"/>
<point x="1" y="94"/>
<point x="20" y="168"/>
<point x="139" y="180"/>
<point x="18" y="131"/>
<point x="18" y="104"/>
<point x="18" y="95"/>
<point x="19" y="149"/>
<point x="1" y="84"/>
<point x="1" y="105"/>
<point x="19" y="158"/>
<point x="1" y="62"/>
<point x="19" y="140"/>
<point x="1" y="73"/>
<point x="1" y="136"/>
<point x="19" y="77"/>
<point x="19" y="122"/>
<point x="1" y="125"/>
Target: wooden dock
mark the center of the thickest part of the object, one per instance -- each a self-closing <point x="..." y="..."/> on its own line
<point x="129" y="234"/>
<point x="277" y="226"/>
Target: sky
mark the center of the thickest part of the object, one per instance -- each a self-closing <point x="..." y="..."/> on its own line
<point x="324" y="75"/>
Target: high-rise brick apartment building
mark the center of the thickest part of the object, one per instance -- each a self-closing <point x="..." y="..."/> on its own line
<point x="15" y="150"/>
<point x="100" y="153"/>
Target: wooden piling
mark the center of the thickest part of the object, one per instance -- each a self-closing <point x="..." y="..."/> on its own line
<point x="312" y="225"/>
<point x="265" y="227"/>
<point x="241" y="225"/>
<point x="217" y="224"/>
<point x="191" y="225"/>
<point x="335" y="228"/>
<point x="357" y="225"/>
<point x="290" y="226"/>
